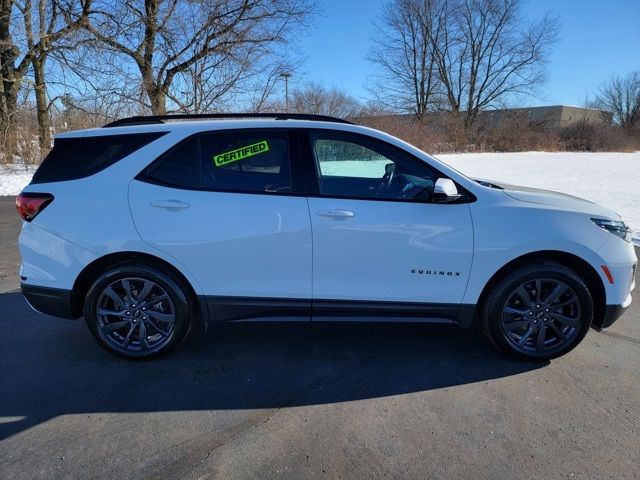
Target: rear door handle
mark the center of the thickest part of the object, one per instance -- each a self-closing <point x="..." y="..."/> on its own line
<point x="169" y="204"/>
<point x="337" y="213"/>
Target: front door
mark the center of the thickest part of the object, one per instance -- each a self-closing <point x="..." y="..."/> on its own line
<point x="380" y="246"/>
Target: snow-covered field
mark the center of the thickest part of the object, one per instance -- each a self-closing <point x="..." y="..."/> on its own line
<point x="610" y="179"/>
<point x="13" y="178"/>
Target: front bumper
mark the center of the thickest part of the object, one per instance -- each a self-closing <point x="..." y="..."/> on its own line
<point x="612" y="313"/>
<point x="50" y="301"/>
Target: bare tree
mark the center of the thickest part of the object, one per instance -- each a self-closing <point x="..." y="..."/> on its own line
<point x="267" y="86"/>
<point x="190" y="55"/>
<point x="47" y="24"/>
<point x="403" y="50"/>
<point x="621" y="97"/>
<point x="28" y="34"/>
<point x="12" y="68"/>
<point x="73" y="113"/>
<point x="319" y="100"/>
<point x="486" y="53"/>
<point x="466" y="54"/>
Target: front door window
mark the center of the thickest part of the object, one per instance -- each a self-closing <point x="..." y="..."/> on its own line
<point x="354" y="166"/>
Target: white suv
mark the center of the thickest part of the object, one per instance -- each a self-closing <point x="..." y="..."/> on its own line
<point x="151" y="223"/>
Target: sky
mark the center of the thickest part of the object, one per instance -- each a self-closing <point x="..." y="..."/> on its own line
<point x="598" y="39"/>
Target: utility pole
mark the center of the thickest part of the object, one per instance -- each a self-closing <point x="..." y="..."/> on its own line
<point x="286" y="76"/>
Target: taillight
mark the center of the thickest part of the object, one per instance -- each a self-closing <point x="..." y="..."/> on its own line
<point x="29" y="205"/>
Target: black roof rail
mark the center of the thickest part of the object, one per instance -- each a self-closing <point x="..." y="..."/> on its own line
<point x="151" y="119"/>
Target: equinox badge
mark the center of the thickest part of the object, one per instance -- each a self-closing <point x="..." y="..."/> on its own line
<point x="435" y="272"/>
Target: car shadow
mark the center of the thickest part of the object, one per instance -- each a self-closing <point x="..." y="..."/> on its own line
<point x="51" y="367"/>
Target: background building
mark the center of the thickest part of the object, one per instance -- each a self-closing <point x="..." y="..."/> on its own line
<point x="555" y="116"/>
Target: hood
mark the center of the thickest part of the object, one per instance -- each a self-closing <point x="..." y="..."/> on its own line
<point x="549" y="197"/>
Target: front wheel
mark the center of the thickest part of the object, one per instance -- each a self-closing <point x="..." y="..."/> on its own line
<point x="137" y="311"/>
<point x="538" y="312"/>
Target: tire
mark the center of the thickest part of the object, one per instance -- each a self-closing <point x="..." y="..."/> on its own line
<point x="538" y="312"/>
<point x="137" y="311"/>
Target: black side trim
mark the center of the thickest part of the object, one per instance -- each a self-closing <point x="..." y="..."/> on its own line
<point x="467" y="315"/>
<point x="50" y="301"/>
<point x="372" y="309"/>
<point x="230" y="309"/>
<point x="611" y="314"/>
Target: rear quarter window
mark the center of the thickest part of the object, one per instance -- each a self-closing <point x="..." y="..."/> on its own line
<point x="80" y="157"/>
<point x="178" y="167"/>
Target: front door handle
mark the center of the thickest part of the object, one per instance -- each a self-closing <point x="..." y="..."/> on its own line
<point x="169" y="204"/>
<point x="337" y="213"/>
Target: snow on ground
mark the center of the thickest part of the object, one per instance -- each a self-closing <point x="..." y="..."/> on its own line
<point x="610" y="179"/>
<point x="13" y="178"/>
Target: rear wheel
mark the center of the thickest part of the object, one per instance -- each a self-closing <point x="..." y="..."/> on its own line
<point x="538" y="312"/>
<point x="137" y="311"/>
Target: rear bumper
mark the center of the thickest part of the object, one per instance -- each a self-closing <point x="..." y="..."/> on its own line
<point x="50" y="301"/>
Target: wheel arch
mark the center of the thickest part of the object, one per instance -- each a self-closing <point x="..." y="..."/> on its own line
<point x="578" y="265"/>
<point x="88" y="275"/>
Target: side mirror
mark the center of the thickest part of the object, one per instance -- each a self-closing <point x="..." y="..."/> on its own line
<point x="445" y="191"/>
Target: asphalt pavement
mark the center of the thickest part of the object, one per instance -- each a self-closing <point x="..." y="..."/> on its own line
<point x="309" y="401"/>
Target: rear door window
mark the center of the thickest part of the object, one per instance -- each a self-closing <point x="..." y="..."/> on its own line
<point x="243" y="161"/>
<point x="80" y="157"/>
<point x="246" y="161"/>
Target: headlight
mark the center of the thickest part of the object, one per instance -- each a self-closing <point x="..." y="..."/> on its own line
<point x="618" y="228"/>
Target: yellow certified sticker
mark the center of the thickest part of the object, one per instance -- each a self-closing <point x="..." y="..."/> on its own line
<point x="240" y="153"/>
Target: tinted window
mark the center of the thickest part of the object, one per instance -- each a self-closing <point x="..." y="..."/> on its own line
<point x="179" y="166"/>
<point x="356" y="166"/>
<point x="73" y="158"/>
<point x="247" y="161"/>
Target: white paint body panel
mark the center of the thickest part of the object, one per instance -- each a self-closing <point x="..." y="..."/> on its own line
<point x="379" y="252"/>
<point x="48" y="260"/>
<point x="236" y="244"/>
<point x="506" y="228"/>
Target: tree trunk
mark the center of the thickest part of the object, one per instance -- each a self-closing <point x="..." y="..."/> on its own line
<point x="158" y="102"/>
<point x="8" y="139"/>
<point x="8" y="89"/>
<point x="42" y="106"/>
<point x="157" y="96"/>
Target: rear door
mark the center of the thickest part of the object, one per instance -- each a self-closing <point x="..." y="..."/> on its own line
<point x="381" y="246"/>
<point x="228" y="206"/>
